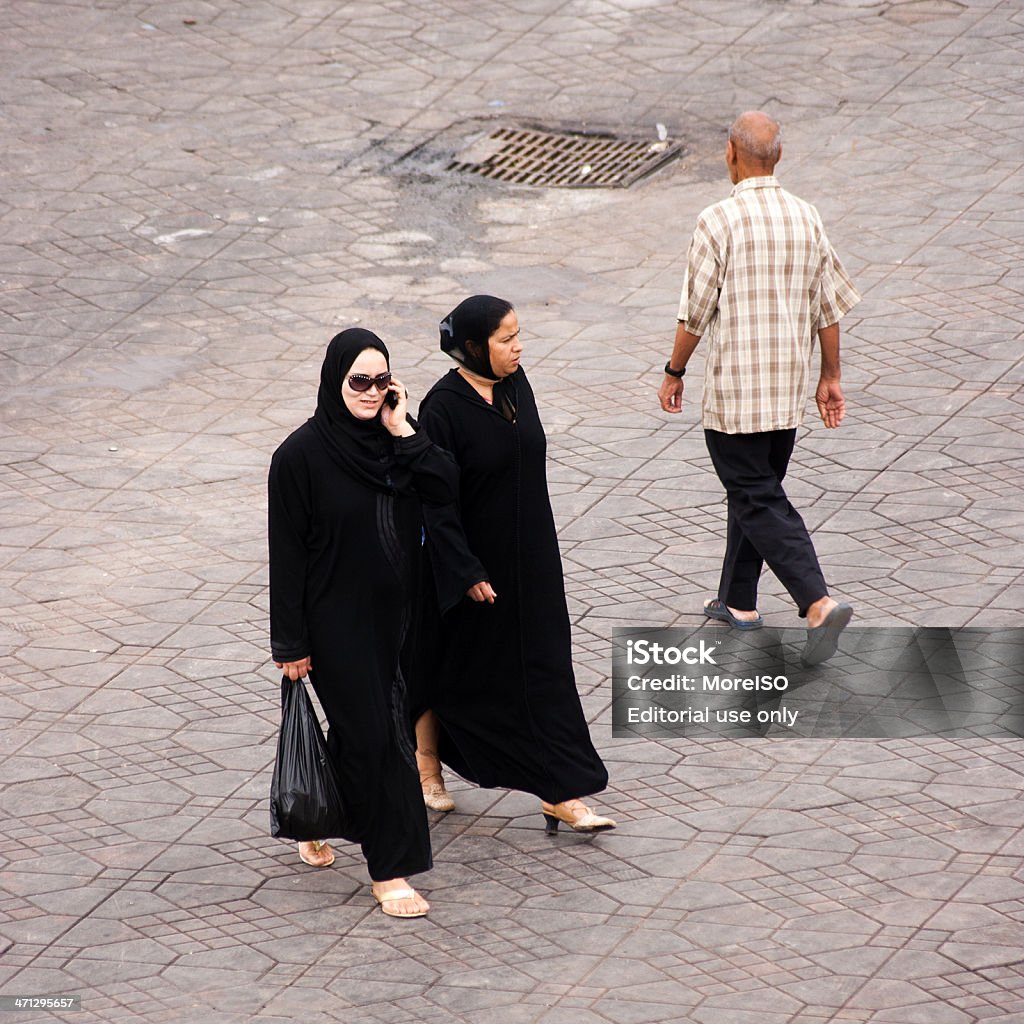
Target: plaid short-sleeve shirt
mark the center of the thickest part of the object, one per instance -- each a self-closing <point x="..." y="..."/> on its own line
<point x="761" y="279"/>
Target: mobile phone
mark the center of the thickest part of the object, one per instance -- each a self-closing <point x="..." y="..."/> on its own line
<point x="391" y="398"/>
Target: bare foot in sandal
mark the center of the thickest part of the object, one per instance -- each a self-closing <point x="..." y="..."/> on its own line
<point x="715" y="609"/>
<point x="316" y="854"/>
<point x="398" y="899"/>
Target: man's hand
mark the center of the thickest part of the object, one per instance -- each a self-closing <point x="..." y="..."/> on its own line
<point x="482" y="591"/>
<point x="831" y="403"/>
<point x="670" y="394"/>
<point x="295" y="670"/>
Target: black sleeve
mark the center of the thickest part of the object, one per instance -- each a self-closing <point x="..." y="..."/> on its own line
<point x="455" y="567"/>
<point x="435" y="472"/>
<point x="288" y="523"/>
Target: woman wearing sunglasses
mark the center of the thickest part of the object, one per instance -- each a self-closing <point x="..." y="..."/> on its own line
<point x="346" y="492"/>
<point x="497" y="670"/>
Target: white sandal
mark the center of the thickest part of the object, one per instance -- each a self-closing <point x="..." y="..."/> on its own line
<point x="393" y="896"/>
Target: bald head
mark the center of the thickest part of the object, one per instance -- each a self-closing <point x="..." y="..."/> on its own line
<point x="755" y="145"/>
<point x="757" y="136"/>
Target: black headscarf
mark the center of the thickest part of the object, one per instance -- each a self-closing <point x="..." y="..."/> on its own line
<point x="362" y="448"/>
<point x="474" y="319"/>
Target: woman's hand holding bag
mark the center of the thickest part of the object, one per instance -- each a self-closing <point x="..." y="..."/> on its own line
<point x="305" y="797"/>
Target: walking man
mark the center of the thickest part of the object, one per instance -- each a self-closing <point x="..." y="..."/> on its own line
<point x="761" y="281"/>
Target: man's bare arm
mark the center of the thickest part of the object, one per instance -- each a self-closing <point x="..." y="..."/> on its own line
<point x="829" y="395"/>
<point x="670" y="394"/>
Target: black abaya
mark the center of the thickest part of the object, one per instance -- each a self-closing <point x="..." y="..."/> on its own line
<point x="345" y="551"/>
<point x="499" y="676"/>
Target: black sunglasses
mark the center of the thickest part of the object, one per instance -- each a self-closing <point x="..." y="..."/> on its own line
<point x="363" y="381"/>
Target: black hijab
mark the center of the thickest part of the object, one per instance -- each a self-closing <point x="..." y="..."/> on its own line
<point x="474" y="319"/>
<point x="362" y="448"/>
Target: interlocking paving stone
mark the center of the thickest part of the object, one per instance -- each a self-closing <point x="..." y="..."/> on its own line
<point x="193" y="198"/>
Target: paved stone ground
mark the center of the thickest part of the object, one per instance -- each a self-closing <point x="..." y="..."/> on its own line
<point x="196" y="194"/>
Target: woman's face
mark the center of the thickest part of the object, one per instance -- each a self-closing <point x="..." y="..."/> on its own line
<point x="504" y="346"/>
<point x="364" y="405"/>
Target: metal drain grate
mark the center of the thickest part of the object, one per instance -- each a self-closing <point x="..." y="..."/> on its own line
<point x="524" y="157"/>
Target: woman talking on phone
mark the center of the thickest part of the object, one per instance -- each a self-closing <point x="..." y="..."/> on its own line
<point x="345" y="526"/>
<point x="499" y="703"/>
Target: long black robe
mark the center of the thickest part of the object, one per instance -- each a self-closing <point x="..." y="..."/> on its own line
<point x="499" y="676"/>
<point x="344" y="566"/>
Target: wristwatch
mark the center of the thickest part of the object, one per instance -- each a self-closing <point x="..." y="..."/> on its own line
<point x="674" y="373"/>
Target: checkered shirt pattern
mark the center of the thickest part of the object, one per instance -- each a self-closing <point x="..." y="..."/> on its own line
<point x="761" y="279"/>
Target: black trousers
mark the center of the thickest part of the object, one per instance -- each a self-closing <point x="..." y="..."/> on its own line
<point x="763" y="526"/>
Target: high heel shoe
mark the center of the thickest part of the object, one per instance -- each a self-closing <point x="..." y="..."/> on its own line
<point x="435" y="796"/>
<point x="576" y="814"/>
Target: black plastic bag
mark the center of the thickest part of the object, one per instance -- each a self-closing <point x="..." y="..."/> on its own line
<point x="305" y="798"/>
